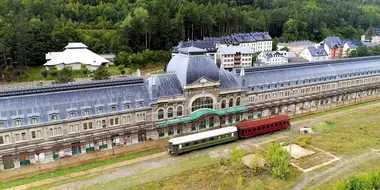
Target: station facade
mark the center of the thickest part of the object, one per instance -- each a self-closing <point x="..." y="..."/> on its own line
<point x="43" y="124"/>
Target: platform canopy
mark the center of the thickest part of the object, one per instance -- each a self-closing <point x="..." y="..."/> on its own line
<point x="203" y="112"/>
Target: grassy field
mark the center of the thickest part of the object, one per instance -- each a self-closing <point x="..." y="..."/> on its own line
<point x="335" y="110"/>
<point x="34" y="73"/>
<point x="66" y="171"/>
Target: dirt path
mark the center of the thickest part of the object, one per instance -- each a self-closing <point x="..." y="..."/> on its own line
<point x="90" y="171"/>
<point x="336" y="170"/>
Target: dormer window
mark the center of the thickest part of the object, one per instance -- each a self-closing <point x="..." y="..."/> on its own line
<point x="53" y="117"/>
<point x="17" y="122"/>
<point x="34" y="120"/>
<point x="113" y="108"/>
<point x="73" y="114"/>
<point x="100" y="110"/>
<point x="140" y="104"/>
<point x="2" y="123"/>
<point x="86" y="112"/>
<point x="127" y="106"/>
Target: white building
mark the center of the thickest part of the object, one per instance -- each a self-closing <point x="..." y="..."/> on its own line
<point x="236" y="56"/>
<point x="273" y="57"/>
<point x="314" y="53"/>
<point x="371" y="35"/>
<point x="258" y="41"/>
<point x="74" y="55"/>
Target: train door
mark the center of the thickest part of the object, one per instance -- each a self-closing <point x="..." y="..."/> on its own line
<point x="8" y="162"/>
<point x="24" y="158"/>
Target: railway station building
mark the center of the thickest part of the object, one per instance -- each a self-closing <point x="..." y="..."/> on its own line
<point x="43" y="124"/>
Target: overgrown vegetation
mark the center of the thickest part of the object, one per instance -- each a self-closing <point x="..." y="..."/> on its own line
<point x="83" y="167"/>
<point x="303" y="141"/>
<point x="65" y="75"/>
<point x="278" y="160"/>
<point x="101" y="73"/>
<point x="365" y="181"/>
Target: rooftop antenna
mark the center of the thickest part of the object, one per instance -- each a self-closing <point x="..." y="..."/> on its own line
<point x="138" y="74"/>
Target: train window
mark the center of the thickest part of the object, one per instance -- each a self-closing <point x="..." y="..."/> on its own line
<point x="195" y="142"/>
<point x="263" y="127"/>
<point x="267" y="126"/>
<point x="254" y="129"/>
<point x="249" y="130"/>
<point x="187" y="144"/>
<point x="284" y="122"/>
<point x="272" y="126"/>
<point x="212" y="138"/>
<point x="203" y="140"/>
<point x="259" y="128"/>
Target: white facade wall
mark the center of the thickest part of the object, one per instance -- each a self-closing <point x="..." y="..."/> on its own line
<point x="307" y="55"/>
<point x="258" y="46"/>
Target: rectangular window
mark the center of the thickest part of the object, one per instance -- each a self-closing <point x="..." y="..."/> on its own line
<point x="17" y="122"/>
<point x="2" y="123"/>
<point x="116" y="121"/>
<point x="34" y="120"/>
<point x="51" y="132"/>
<point x="39" y="134"/>
<point x="23" y="136"/>
<point x="89" y="125"/>
<point x="17" y="137"/>
<point x="84" y="126"/>
<point x="33" y="135"/>
<point x="111" y="122"/>
<point x="7" y="139"/>
<point x="104" y="123"/>
<point x="1" y="140"/>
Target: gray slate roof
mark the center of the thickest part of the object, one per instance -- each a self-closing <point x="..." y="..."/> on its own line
<point x="44" y="101"/>
<point x="317" y="51"/>
<point x="333" y="42"/>
<point x="308" y="71"/>
<point x="189" y="68"/>
<point x="202" y="44"/>
<point x="164" y="85"/>
<point x="228" y="80"/>
<point x="241" y="38"/>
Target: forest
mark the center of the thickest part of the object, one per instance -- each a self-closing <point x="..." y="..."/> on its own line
<point x="31" y="28"/>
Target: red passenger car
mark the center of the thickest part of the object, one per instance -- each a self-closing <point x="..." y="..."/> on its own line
<point x="252" y="128"/>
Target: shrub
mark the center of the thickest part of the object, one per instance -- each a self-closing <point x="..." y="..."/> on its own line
<point x="278" y="160"/>
<point x="303" y="141"/>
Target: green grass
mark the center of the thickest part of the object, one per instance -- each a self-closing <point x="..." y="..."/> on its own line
<point x="157" y="174"/>
<point x="311" y="116"/>
<point x="349" y="134"/>
<point x="66" y="171"/>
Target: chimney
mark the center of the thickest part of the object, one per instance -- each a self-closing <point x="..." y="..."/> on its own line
<point x="153" y="81"/>
<point x="138" y="74"/>
<point x="242" y="72"/>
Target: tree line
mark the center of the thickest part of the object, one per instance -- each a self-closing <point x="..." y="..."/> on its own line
<point x="31" y="28"/>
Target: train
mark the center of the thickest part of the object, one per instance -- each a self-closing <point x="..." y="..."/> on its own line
<point x="243" y="130"/>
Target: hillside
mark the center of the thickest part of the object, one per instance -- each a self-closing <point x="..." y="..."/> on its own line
<point x="30" y="28"/>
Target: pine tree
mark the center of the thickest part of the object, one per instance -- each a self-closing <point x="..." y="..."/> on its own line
<point x="101" y="73"/>
<point x="65" y="75"/>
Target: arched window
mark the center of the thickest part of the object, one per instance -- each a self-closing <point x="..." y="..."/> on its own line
<point x="179" y="111"/>
<point x="231" y="102"/>
<point x="160" y="114"/>
<point x="223" y="104"/>
<point x="170" y="112"/>
<point x="203" y="102"/>
<point x="238" y="101"/>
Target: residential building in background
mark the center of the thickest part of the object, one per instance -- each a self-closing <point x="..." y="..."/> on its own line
<point x="207" y="45"/>
<point x="314" y="53"/>
<point x="75" y="55"/>
<point x="236" y="56"/>
<point x="371" y="35"/>
<point x="333" y="46"/>
<point x="296" y="46"/>
<point x="258" y="41"/>
<point x="272" y="58"/>
<point x="348" y="46"/>
<point x="109" y="57"/>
